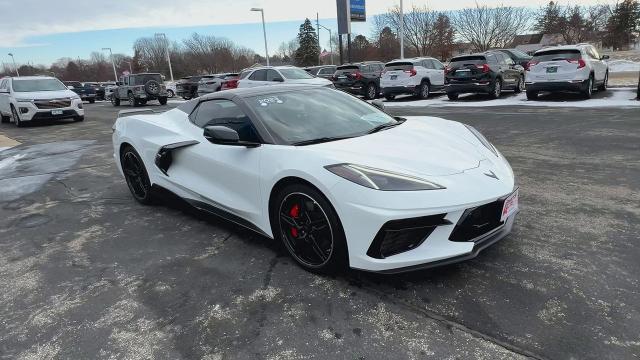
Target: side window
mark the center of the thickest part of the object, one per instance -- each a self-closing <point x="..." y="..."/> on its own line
<point x="501" y="59"/>
<point x="225" y="113"/>
<point x="259" y="75"/>
<point x="126" y="80"/>
<point x="491" y="59"/>
<point x="2" y="84"/>
<point x="428" y="64"/>
<point x="438" y="65"/>
<point x="594" y="53"/>
<point x="273" y="75"/>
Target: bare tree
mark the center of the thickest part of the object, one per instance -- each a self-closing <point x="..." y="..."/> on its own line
<point x="490" y="27"/>
<point x="418" y="27"/>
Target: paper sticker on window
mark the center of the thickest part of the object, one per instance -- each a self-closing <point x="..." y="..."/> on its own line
<point x="270" y="100"/>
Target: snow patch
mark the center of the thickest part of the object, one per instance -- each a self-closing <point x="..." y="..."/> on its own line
<point x="623" y="66"/>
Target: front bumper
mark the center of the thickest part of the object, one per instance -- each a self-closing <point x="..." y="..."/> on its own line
<point x="572" y="85"/>
<point x="29" y="111"/>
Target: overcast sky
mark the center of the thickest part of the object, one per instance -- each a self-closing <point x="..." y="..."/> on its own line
<point x="42" y="30"/>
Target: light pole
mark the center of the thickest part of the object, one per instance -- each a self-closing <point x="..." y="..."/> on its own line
<point x="264" y="31"/>
<point x="14" y="64"/>
<point x="330" y="41"/>
<point x="166" y="46"/>
<point x="401" y="31"/>
<point x="130" y="67"/>
<point x="115" y="73"/>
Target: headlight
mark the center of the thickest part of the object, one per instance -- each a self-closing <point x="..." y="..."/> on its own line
<point x="482" y="139"/>
<point x="381" y="179"/>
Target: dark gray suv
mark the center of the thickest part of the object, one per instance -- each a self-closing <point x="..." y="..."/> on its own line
<point x="138" y="89"/>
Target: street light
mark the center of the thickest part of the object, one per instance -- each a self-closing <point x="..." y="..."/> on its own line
<point x="264" y="31"/>
<point x="330" y="41"/>
<point x="115" y="73"/>
<point x="401" y="31"/>
<point x="166" y="46"/>
<point x="14" y="64"/>
<point x="130" y="67"/>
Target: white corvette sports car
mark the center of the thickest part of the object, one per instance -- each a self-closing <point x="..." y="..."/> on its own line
<point x="337" y="180"/>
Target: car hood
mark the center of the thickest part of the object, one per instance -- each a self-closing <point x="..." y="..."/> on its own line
<point x="420" y="146"/>
<point x="314" y="81"/>
<point x="45" y="95"/>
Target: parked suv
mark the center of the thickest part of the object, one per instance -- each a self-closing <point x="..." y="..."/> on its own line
<point x="187" y="87"/>
<point x="213" y="83"/>
<point x="274" y="75"/>
<point x="323" y="71"/>
<point x="85" y="91"/>
<point x="138" y="89"/>
<point x="517" y="56"/>
<point x="417" y="76"/>
<point x="638" y="88"/>
<point x="576" y="68"/>
<point x="490" y="72"/>
<point x="29" y="98"/>
<point x="359" y="79"/>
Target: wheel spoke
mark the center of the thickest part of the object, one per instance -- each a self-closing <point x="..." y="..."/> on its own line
<point x="316" y="249"/>
<point x="289" y="220"/>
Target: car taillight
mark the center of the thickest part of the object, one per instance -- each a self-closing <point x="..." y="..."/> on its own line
<point x="581" y="63"/>
<point x="448" y="70"/>
<point x="484" y="67"/>
<point x="530" y="64"/>
<point x="411" y="72"/>
<point x="357" y="75"/>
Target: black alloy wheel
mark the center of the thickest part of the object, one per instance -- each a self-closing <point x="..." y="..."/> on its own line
<point x="588" y="91"/>
<point x="136" y="175"/>
<point x="605" y="84"/>
<point x="497" y="89"/>
<point x="371" y="92"/>
<point x="310" y="230"/>
<point x="424" y="91"/>
<point x="16" y="117"/>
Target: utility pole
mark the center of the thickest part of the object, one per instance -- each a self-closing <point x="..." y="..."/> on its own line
<point x="319" y="47"/>
<point x="115" y="73"/>
<point x="166" y="46"/>
<point x="401" y="31"/>
<point x="330" y="41"/>
<point x="15" y="67"/>
<point x="264" y="32"/>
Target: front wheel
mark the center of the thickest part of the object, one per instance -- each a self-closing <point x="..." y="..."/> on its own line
<point x="497" y="89"/>
<point x="115" y="101"/>
<point x="16" y="117"/>
<point x="162" y="101"/>
<point x="132" y="100"/>
<point x="390" y="97"/>
<point x="92" y="101"/>
<point x="136" y="175"/>
<point x="308" y="226"/>
<point x="424" y="91"/>
<point x="171" y="93"/>
<point x="520" y="86"/>
<point x="532" y="95"/>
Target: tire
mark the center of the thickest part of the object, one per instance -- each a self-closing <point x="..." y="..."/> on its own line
<point x="390" y="97"/>
<point x="520" y="86"/>
<point x="115" y="101"/>
<point x="136" y="175"/>
<point x="424" y="91"/>
<point x="497" y="89"/>
<point x="92" y="101"/>
<point x="452" y="96"/>
<point x="186" y="97"/>
<point x="16" y="117"/>
<point x="152" y="87"/>
<point x="587" y="93"/>
<point x="162" y="101"/>
<point x="605" y="84"/>
<point x="132" y="100"/>
<point x="532" y="95"/>
<point x="171" y="93"/>
<point x="78" y="118"/>
<point x="371" y="92"/>
<point x="4" y="119"/>
<point x="309" y="228"/>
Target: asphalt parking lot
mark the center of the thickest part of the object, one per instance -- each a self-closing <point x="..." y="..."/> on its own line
<point x="88" y="273"/>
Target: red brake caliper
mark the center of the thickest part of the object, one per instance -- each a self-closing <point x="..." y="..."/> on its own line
<point x="295" y="213"/>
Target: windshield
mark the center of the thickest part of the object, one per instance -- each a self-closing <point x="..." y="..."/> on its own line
<point x="298" y="116"/>
<point x="143" y="79"/>
<point x="551" y="55"/>
<point x="295" y="74"/>
<point x="33" y="85"/>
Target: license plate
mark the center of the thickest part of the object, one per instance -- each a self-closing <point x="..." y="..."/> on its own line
<point x="394" y="77"/>
<point x="463" y="73"/>
<point x="56" y="112"/>
<point x="510" y="206"/>
<point x="552" y="70"/>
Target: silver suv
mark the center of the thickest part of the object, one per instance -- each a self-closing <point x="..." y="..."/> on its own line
<point x="577" y="68"/>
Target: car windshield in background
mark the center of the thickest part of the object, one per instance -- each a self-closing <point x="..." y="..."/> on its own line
<point x="300" y="116"/>
<point x="468" y="60"/>
<point x="34" y="85"/>
<point x="519" y="54"/>
<point x="295" y="74"/>
<point x="552" y="55"/>
<point x="404" y="66"/>
<point x="143" y="79"/>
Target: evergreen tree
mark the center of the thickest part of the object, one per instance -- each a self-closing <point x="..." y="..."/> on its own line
<point x="443" y="35"/>
<point x="388" y="45"/>
<point x="308" y="53"/>
<point x="623" y="25"/>
<point x="550" y="19"/>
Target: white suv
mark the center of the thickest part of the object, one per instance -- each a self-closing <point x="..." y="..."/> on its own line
<point x="31" y="98"/>
<point x="416" y="76"/>
<point x="576" y="68"/>
<point x="279" y="75"/>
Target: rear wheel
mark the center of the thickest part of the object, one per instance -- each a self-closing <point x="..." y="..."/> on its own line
<point x="424" y="90"/>
<point x="16" y="117"/>
<point x="452" y="96"/>
<point x="114" y="100"/>
<point x="162" y="101"/>
<point x="171" y="93"/>
<point x="136" y="175"/>
<point x="605" y="84"/>
<point x="92" y="101"/>
<point x="532" y="95"/>
<point x="308" y="226"/>
<point x="371" y="92"/>
<point x="4" y="119"/>
<point x="587" y="93"/>
<point x="497" y="89"/>
<point x="390" y="97"/>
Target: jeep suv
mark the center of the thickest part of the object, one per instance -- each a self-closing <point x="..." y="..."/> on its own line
<point x="85" y="91"/>
<point x="359" y="79"/>
<point x="138" y="89"/>
<point x="417" y="76"/>
<point x="490" y="72"/>
<point x="576" y="68"/>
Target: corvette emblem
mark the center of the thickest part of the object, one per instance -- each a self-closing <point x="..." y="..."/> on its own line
<point x="491" y="174"/>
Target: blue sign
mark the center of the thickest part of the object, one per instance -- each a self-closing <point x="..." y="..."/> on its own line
<point x="358" y="10"/>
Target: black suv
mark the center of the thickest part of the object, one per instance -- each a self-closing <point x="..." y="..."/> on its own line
<point x="359" y="79"/>
<point x="187" y="87"/>
<point x="517" y="56"/>
<point x="85" y="91"/>
<point x="140" y="88"/>
<point x="489" y="73"/>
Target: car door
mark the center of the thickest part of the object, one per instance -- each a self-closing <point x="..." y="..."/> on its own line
<point x="438" y="73"/>
<point x="223" y="176"/>
<point x="507" y="72"/>
<point x="123" y="90"/>
<point x="600" y="67"/>
<point x="4" y="97"/>
<point x="274" y="77"/>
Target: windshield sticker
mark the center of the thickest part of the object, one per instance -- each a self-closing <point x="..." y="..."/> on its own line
<point x="270" y="100"/>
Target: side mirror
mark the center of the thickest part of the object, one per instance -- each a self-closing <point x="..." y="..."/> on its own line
<point x="378" y="104"/>
<point x="604" y="57"/>
<point x="223" y="135"/>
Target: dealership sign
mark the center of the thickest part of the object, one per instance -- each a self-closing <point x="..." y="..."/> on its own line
<point x="348" y="11"/>
<point x="358" y="12"/>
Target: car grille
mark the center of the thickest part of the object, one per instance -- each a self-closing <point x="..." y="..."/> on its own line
<point x="478" y="221"/>
<point x="398" y="236"/>
<point x="52" y="104"/>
